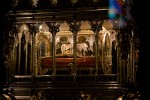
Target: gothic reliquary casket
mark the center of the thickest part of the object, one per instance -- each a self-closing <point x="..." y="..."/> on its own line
<point x="80" y="52"/>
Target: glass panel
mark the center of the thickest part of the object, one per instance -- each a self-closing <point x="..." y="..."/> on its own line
<point x="43" y="43"/>
<point x="107" y="48"/>
<point x="22" y="51"/>
<point x="85" y="53"/>
<point x="64" y="50"/>
<point x="64" y="41"/>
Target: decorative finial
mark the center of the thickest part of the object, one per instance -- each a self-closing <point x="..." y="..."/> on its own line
<point x="54" y="2"/>
<point x="35" y="2"/>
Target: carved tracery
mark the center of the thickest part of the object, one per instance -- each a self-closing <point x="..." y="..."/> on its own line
<point x="22" y="50"/>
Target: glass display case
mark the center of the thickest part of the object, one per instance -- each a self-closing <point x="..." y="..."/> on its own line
<point x="68" y="54"/>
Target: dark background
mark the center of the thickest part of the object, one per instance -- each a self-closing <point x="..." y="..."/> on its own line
<point x="140" y="13"/>
<point x="4" y="6"/>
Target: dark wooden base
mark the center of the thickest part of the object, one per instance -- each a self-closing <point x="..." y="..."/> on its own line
<point x="66" y="87"/>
